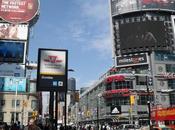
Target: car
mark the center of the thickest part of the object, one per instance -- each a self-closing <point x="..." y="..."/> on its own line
<point x="161" y="128"/>
<point x="128" y="127"/>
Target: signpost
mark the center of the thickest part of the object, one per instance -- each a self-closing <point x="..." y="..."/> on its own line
<point x="52" y="75"/>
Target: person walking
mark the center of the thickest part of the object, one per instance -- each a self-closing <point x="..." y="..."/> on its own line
<point x="32" y="125"/>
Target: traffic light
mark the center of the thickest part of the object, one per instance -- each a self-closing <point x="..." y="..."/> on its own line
<point x="76" y="96"/>
<point x="132" y="100"/>
<point x="34" y="113"/>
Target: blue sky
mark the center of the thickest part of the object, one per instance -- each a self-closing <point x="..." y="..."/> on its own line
<point x="80" y="26"/>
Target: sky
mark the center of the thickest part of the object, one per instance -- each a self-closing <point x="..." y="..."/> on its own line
<point x="80" y="26"/>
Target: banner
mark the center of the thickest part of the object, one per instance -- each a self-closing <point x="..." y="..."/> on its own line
<point x="18" y="11"/>
<point x="11" y="84"/>
<point x="13" y="32"/>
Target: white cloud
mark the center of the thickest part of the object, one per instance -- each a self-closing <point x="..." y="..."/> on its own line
<point x="97" y="10"/>
<point x="103" y="46"/>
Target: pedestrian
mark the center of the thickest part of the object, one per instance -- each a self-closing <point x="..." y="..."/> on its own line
<point x="31" y="125"/>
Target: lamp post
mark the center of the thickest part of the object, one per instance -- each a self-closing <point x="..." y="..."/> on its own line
<point x="148" y="102"/>
<point x="16" y="94"/>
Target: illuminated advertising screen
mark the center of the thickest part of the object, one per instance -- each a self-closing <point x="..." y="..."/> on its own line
<point x="11" y="84"/>
<point x="13" y="32"/>
<point x="125" y="6"/>
<point x="158" y="4"/>
<point x="52" y="70"/>
<point x="133" y="35"/>
<point x="141" y="34"/>
<point x="12" y="51"/>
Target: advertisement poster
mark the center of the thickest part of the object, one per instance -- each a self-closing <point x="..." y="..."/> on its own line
<point x="11" y="84"/>
<point x="18" y="11"/>
<point x="12" y="70"/>
<point x="12" y="51"/>
<point x="52" y="63"/>
<point x="13" y="32"/>
<point x="52" y="70"/>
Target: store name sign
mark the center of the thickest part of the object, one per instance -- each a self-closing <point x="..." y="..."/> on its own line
<point x="167" y="75"/>
<point x="130" y="60"/>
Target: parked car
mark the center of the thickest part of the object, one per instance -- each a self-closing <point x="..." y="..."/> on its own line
<point x="128" y="127"/>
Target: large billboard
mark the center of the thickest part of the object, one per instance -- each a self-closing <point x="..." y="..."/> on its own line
<point x="139" y="34"/>
<point x="52" y="70"/>
<point x="125" y="6"/>
<point x="16" y="70"/>
<point x="18" y="11"/>
<point x="12" y="84"/>
<point x="13" y="31"/>
<point x="132" y="60"/>
<point x="12" y="51"/>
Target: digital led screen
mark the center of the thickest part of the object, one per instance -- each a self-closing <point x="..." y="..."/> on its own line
<point x="159" y="4"/>
<point x="11" y="84"/>
<point x="124" y="6"/>
<point x="142" y="34"/>
<point x="12" y="51"/>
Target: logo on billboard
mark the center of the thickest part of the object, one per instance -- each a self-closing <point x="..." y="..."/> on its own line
<point x="53" y="59"/>
<point x="115" y="110"/>
<point x="52" y="70"/>
<point x="129" y="60"/>
<point x="18" y="11"/>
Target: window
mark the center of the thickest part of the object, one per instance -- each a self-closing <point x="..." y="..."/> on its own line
<point x="170" y="68"/>
<point x="2" y="102"/>
<point x="13" y="116"/>
<point x="17" y="103"/>
<point x="34" y="104"/>
<point x="172" y="99"/>
<point x="171" y="84"/>
<point x="1" y="116"/>
<point x="140" y="80"/>
<point x="124" y="85"/>
<point x="120" y="101"/>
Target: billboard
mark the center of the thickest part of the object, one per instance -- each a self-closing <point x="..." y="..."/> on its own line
<point x="52" y="70"/>
<point x="12" y="51"/>
<point x="12" y="70"/>
<point x="125" y="6"/>
<point x="11" y="84"/>
<point x="132" y="60"/>
<point x="139" y="34"/>
<point x="18" y="11"/>
<point x="13" y="31"/>
<point x="158" y="4"/>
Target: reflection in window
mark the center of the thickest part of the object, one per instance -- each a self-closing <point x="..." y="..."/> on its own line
<point x="164" y="56"/>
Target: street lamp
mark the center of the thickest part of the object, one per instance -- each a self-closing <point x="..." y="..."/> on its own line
<point x="148" y="100"/>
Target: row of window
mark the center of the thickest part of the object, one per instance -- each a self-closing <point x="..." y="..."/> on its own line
<point x="19" y="103"/>
<point x="142" y="100"/>
<point x="12" y="116"/>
